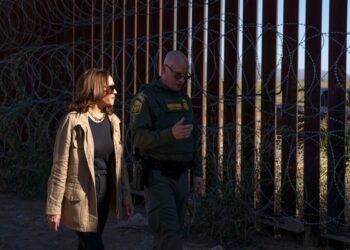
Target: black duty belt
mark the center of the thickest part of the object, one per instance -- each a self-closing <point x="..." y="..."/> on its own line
<point x="168" y="168"/>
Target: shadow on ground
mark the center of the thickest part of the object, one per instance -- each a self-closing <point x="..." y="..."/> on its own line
<point x="23" y="226"/>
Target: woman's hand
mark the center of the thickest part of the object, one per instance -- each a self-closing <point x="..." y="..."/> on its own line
<point x="54" y="221"/>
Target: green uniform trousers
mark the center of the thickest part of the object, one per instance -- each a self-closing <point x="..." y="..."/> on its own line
<point x="166" y="201"/>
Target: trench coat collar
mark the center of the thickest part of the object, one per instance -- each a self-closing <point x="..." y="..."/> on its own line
<point x="83" y="120"/>
<point x="115" y="121"/>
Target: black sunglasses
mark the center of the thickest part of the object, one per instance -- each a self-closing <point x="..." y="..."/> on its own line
<point x="111" y="88"/>
<point x="179" y="75"/>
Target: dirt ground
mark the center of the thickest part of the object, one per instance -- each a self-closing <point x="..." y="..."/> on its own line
<point x="23" y="226"/>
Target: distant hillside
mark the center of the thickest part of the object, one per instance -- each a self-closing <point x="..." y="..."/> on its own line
<point x="324" y="75"/>
<point x="301" y="74"/>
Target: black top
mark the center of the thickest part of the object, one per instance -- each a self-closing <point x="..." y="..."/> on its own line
<point x="104" y="147"/>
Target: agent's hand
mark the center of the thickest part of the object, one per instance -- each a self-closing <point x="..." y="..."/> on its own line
<point x="129" y="210"/>
<point x="181" y="131"/>
<point x="54" y="221"/>
<point x="198" y="186"/>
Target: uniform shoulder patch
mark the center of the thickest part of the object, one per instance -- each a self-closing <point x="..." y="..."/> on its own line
<point x="136" y="106"/>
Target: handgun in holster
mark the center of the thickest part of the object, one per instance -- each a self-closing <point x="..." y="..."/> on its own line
<point x="139" y="171"/>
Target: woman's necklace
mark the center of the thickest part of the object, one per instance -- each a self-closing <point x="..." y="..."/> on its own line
<point x="97" y="119"/>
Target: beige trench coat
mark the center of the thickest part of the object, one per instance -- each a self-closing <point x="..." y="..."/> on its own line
<point x="71" y="187"/>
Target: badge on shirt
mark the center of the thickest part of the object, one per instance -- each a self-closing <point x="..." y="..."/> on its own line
<point x="185" y="105"/>
<point x="136" y="107"/>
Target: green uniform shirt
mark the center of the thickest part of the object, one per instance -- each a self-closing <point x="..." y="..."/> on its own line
<point x="154" y="111"/>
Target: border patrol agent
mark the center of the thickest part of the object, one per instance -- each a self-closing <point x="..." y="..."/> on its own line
<point x="162" y="132"/>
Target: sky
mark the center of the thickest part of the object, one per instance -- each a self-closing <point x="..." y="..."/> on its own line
<point x="302" y="21"/>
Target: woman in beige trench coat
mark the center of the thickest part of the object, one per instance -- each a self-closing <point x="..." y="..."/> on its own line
<point x="88" y="176"/>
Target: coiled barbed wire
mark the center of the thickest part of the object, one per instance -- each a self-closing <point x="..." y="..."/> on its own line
<point x="37" y="76"/>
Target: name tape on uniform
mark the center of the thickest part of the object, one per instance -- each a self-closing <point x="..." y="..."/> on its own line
<point x="183" y="105"/>
<point x="174" y="106"/>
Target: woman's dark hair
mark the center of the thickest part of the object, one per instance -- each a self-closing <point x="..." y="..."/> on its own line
<point x="90" y="90"/>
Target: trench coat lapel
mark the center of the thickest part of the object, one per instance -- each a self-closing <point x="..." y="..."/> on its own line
<point x="88" y="144"/>
<point x="115" y="122"/>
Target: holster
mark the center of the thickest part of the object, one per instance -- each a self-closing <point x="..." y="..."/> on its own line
<point x="139" y="174"/>
<point x="168" y="168"/>
<point x="142" y="165"/>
